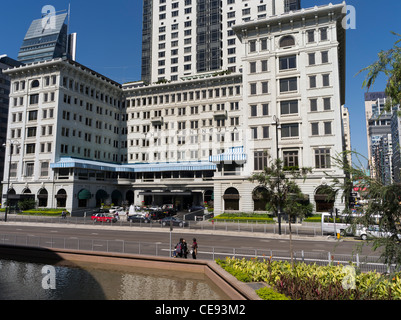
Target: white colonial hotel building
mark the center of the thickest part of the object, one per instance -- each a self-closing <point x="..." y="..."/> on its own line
<point x="81" y="139"/>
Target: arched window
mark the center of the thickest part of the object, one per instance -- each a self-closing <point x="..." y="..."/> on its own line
<point x="231" y="199"/>
<point x="61" y="198"/>
<point x="324" y="198"/>
<point x="260" y="199"/>
<point x="35" y="84"/>
<point x="42" y="198"/>
<point x="287" y="41"/>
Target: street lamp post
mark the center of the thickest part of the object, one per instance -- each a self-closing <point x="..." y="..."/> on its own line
<point x="276" y="122"/>
<point x="9" y="173"/>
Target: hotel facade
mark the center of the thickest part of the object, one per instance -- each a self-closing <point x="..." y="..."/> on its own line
<point x="78" y="139"/>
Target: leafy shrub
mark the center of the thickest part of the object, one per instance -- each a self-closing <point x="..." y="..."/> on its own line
<point x="310" y="281"/>
<point x="239" y="274"/>
<point x="27" y="204"/>
<point x="267" y="293"/>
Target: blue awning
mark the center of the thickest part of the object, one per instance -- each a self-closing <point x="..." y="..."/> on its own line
<point x="234" y="154"/>
<point x="68" y="162"/>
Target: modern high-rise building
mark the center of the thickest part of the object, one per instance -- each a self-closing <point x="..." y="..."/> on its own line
<point x="346" y="133"/>
<point x="85" y="140"/>
<point x="396" y="143"/>
<point x="184" y="38"/>
<point x="378" y="127"/>
<point x="47" y="38"/>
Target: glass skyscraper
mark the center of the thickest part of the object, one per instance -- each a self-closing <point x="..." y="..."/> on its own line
<point x="46" y="39"/>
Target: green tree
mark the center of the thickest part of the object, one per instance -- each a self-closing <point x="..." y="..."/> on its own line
<point x="283" y="193"/>
<point x="389" y="65"/>
<point x="383" y="201"/>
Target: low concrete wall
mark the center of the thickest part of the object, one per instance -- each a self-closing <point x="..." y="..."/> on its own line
<point x="233" y="288"/>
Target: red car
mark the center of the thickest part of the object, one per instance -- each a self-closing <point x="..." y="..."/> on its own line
<point x="101" y="217"/>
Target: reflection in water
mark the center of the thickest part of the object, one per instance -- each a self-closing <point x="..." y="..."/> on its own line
<point x="23" y="281"/>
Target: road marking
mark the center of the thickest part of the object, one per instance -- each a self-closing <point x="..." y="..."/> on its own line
<point x="53" y="231"/>
<point x="95" y="233"/>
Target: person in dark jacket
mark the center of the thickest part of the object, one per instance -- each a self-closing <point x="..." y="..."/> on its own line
<point x="194" y="248"/>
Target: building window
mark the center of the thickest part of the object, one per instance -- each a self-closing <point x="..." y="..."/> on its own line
<point x="312" y="60"/>
<point x="265" y="109"/>
<point x="33" y="99"/>
<point x="265" y="66"/>
<point x="322" y="158"/>
<point x="260" y="160"/>
<point x="252" y="46"/>
<point x="44" y="169"/>
<point x="313" y="105"/>
<point x="31" y="132"/>
<point x="323" y="34"/>
<point x="325" y="56"/>
<point x="32" y="115"/>
<point x="254" y="133"/>
<point x="29" y="169"/>
<point x="289" y="130"/>
<point x="326" y="80"/>
<point x="311" y="36"/>
<point x="30" y="148"/>
<point x="35" y="84"/>
<point x="263" y="44"/>
<point x="290" y="158"/>
<point x="327" y="104"/>
<point x="312" y="81"/>
<point x="253" y="88"/>
<point x="252" y="67"/>
<point x="265" y="132"/>
<point x="287" y="41"/>
<point x="265" y="87"/>
<point x="289" y="62"/>
<point x="315" y="129"/>
<point x="289" y="107"/>
<point x="254" y="112"/>
<point x="327" y="128"/>
<point x="288" y="85"/>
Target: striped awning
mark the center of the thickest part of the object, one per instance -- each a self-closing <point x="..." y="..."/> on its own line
<point x="176" y="166"/>
<point x="234" y="154"/>
<point x="68" y="162"/>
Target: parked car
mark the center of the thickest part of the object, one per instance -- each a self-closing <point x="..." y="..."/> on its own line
<point x="175" y="222"/>
<point x="138" y="218"/>
<point x="196" y="208"/>
<point x="157" y="215"/>
<point x="169" y="212"/>
<point x="102" y="217"/>
<point x="115" y="209"/>
<point x="373" y="232"/>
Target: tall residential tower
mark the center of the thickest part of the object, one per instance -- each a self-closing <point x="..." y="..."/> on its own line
<point x="183" y="38"/>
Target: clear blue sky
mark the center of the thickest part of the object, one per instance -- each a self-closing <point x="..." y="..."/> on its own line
<point x="109" y="41"/>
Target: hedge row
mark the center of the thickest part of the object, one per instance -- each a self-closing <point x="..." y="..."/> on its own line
<point x="245" y="217"/>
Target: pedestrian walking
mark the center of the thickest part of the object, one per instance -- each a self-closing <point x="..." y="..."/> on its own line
<point x="194" y="248"/>
<point x="184" y="249"/>
<point x="178" y="249"/>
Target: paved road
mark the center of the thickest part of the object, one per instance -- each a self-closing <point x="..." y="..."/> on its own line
<point x="206" y="238"/>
